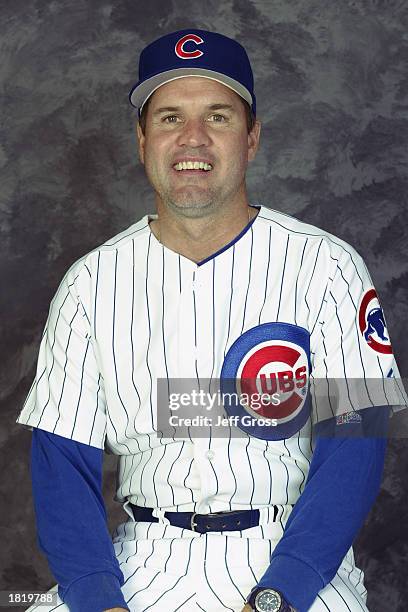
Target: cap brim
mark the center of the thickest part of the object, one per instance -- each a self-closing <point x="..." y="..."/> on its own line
<point x="142" y="91"/>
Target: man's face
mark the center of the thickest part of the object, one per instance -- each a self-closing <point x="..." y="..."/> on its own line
<point x="197" y="120"/>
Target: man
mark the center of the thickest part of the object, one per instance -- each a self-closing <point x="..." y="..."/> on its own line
<point x="210" y="288"/>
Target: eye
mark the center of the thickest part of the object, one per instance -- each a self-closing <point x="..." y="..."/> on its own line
<point x="217" y="118"/>
<point x="170" y="119"/>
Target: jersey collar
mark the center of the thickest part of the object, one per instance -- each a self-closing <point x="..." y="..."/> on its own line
<point x="213" y="255"/>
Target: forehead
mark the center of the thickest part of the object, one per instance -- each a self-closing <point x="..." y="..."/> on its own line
<point x="194" y="90"/>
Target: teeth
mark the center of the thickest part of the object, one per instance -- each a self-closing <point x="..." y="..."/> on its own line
<point x="196" y="165"/>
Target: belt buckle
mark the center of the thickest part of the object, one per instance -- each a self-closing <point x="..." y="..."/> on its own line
<point x="192" y="523"/>
<point x="209" y="515"/>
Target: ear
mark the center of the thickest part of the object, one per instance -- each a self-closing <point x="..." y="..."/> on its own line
<point x="141" y="140"/>
<point x="253" y="140"/>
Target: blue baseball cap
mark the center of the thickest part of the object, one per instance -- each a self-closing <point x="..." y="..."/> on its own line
<point x="193" y="53"/>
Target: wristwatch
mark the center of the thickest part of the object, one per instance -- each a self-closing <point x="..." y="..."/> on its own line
<point x="268" y="600"/>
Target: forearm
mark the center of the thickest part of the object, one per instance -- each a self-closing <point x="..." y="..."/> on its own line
<point x="71" y="522"/>
<point x="343" y="482"/>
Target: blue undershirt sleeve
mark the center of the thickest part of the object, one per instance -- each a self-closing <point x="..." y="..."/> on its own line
<point x="343" y="482"/>
<point x="72" y="523"/>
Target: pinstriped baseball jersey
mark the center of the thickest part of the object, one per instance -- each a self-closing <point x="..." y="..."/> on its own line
<point x="133" y="311"/>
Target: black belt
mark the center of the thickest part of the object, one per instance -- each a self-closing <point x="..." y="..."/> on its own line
<point x="236" y="520"/>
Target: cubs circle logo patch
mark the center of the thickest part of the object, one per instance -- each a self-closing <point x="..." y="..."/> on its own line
<point x="182" y="52"/>
<point x="372" y="324"/>
<point x="265" y="378"/>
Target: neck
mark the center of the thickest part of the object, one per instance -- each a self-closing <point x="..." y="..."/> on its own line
<point x="197" y="239"/>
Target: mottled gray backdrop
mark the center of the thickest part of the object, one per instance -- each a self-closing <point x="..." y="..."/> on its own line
<point x="331" y="82"/>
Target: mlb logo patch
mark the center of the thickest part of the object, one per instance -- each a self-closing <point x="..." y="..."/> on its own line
<point x="348" y="417"/>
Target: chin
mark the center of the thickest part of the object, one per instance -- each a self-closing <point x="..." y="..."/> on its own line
<point x="194" y="211"/>
<point x="192" y="208"/>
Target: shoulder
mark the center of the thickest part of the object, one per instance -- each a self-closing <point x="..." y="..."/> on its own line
<point x="89" y="263"/>
<point x="82" y="277"/>
<point x="316" y="238"/>
<point x="135" y="232"/>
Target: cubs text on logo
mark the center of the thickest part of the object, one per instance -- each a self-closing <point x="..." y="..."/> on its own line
<point x="268" y="369"/>
<point x="182" y="53"/>
<point x="372" y="324"/>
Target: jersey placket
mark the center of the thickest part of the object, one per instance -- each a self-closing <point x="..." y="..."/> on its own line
<point x="196" y="365"/>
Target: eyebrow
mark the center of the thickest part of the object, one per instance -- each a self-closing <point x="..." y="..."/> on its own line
<point x="174" y="109"/>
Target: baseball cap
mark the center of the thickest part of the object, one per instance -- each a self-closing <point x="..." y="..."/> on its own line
<point x="193" y="53"/>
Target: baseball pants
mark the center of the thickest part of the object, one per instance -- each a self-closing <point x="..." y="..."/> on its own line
<point x="174" y="569"/>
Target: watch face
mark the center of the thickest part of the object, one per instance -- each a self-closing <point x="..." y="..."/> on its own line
<point x="268" y="601"/>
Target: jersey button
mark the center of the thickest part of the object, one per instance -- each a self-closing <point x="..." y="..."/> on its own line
<point x="210" y="455"/>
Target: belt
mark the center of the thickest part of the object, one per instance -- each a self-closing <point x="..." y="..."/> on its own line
<point x="236" y="520"/>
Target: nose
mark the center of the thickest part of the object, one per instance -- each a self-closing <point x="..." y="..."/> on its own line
<point x="194" y="134"/>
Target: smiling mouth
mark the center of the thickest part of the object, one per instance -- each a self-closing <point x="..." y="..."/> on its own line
<point x="190" y="165"/>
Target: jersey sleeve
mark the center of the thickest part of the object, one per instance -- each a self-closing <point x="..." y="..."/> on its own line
<point x="67" y="396"/>
<point x="353" y="366"/>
